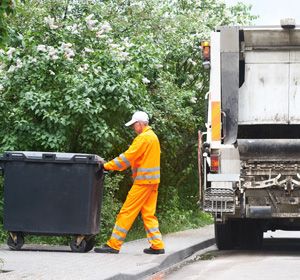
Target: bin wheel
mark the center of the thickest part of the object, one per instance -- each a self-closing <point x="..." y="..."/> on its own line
<point x="15" y="244"/>
<point x="90" y="243"/>
<point x="81" y="248"/>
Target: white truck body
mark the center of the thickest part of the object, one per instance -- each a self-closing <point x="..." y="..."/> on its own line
<point x="253" y="129"/>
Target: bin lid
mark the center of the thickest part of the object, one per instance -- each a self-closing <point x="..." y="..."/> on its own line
<point x="50" y="156"/>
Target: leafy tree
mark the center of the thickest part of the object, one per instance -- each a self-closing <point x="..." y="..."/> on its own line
<point x="6" y="8"/>
<point x="73" y="72"/>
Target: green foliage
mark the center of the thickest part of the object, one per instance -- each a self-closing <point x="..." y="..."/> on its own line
<point x="73" y="72"/>
<point x="6" y="8"/>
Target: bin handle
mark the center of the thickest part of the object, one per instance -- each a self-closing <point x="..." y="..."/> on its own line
<point x="49" y="156"/>
<point x="82" y="157"/>
<point x="15" y="155"/>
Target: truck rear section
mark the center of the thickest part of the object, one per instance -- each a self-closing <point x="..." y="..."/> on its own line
<point x="251" y="155"/>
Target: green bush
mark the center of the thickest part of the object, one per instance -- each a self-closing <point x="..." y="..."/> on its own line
<point x="73" y="72"/>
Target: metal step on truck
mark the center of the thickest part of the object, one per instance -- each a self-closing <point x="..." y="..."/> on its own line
<point x="251" y="149"/>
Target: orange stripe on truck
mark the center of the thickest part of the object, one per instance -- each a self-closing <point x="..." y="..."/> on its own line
<point x="216" y="121"/>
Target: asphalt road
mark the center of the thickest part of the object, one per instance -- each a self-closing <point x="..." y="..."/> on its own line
<point x="278" y="259"/>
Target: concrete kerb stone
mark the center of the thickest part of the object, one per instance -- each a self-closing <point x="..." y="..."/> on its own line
<point x="170" y="260"/>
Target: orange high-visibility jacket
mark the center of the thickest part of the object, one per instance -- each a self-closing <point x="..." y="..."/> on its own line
<point x="143" y="156"/>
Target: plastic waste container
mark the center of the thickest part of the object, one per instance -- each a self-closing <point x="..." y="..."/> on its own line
<point x="52" y="194"/>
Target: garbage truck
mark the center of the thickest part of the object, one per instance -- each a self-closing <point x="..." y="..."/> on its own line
<point x="250" y="151"/>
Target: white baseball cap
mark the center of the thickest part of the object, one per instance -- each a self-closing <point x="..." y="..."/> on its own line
<point x="138" y="116"/>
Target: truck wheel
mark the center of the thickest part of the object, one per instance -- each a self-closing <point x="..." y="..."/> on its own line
<point x="224" y="235"/>
<point x="250" y="235"/>
<point x="78" y="248"/>
<point x="15" y="244"/>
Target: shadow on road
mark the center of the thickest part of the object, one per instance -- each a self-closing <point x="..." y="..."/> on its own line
<point x="41" y="248"/>
<point x="281" y="244"/>
<point x="271" y="246"/>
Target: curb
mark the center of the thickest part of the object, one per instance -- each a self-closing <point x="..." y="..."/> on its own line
<point x="167" y="262"/>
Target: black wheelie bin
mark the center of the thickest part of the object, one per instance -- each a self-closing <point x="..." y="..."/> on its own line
<point x="52" y="194"/>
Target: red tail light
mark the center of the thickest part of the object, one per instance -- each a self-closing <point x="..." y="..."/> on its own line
<point x="214" y="163"/>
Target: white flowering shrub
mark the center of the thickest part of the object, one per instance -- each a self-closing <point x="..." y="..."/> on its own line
<point x="73" y="72"/>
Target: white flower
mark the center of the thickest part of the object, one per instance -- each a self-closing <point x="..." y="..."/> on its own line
<point x="11" y="69"/>
<point x="89" y="17"/>
<point x="1" y="87"/>
<point x="41" y="48"/>
<point x="199" y="85"/>
<point x="106" y="27"/>
<point x="145" y="80"/>
<point x="114" y="46"/>
<point x="100" y="34"/>
<point x="91" y="23"/>
<point x="2" y="52"/>
<point x="127" y="44"/>
<point x="194" y="99"/>
<point x="139" y="4"/>
<point x="19" y="63"/>
<point x="10" y="52"/>
<point x="54" y="57"/>
<point x="68" y="52"/>
<point x="73" y="29"/>
<point x="88" y="50"/>
<point x="88" y="102"/>
<point x="2" y="67"/>
<point x="51" y="73"/>
<point x="83" y="68"/>
<point x="159" y="66"/>
<point x="52" y="52"/>
<point x="50" y="22"/>
<point x="97" y="70"/>
<point x="166" y="15"/>
<point x="66" y="46"/>
<point x="192" y="62"/>
<point x="124" y="54"/>
<point x="184" y="41"/>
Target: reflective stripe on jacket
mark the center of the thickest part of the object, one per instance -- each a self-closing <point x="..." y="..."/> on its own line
<point x="143" y="156"/>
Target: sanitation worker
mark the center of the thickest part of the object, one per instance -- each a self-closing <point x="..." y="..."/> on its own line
<point x="143" y="156"/>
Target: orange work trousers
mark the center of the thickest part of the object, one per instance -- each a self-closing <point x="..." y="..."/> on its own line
<point x="141" y="198"/>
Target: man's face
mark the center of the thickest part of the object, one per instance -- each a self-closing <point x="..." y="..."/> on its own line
<point x="138" y="127"/>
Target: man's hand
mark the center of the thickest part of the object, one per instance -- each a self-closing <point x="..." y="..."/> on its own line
<point x="100" y="168"/>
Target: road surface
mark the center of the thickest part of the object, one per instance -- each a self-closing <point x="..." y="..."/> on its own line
<point x="278" y="259"/>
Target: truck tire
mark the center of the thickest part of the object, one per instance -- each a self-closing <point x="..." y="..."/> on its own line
<point x="250" y="235"/>
<point x="224" y="235"/>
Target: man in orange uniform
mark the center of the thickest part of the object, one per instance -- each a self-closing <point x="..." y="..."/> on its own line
<point x="144" y="158"/>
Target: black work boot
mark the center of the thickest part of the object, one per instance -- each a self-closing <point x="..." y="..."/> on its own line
<point x="154" y="251"/>
<point x="106" y="250"/>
